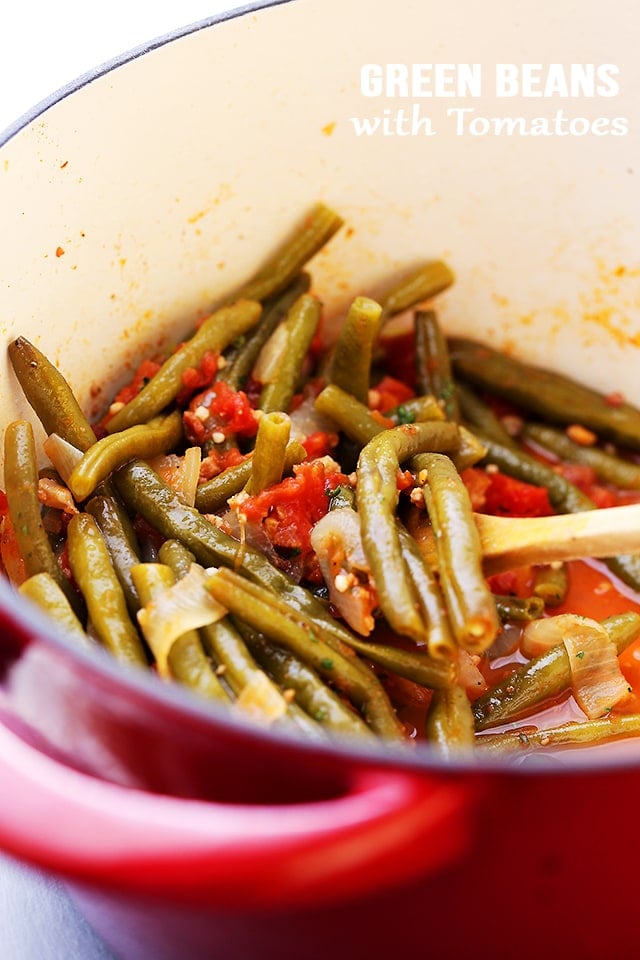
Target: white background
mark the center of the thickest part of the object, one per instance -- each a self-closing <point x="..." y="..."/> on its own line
<point x="45" y="44"/>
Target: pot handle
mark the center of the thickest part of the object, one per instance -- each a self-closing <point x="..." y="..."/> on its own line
<point x="388" y="827"/>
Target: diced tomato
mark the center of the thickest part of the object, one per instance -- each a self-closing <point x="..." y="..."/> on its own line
<point x="319" y="444"/>
<point x="389" y="393"/>
<point x="229" y="413"/>
<point x="194" y="378"/>
<point x="288" y="510"/>
<point x="400" y="357"/>
<point x="507" y="497"/>
<point x="477" y="482"/>
<point x="218" y="460"/>
<point x="144" y="373"/>
<point x="404" y="480"/>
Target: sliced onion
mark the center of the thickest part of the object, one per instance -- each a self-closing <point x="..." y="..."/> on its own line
<point x="180" y="473"/>
<point x="538" y="636"/>
<point x="186" y="605"/>
<point x="63" y="455"/>
<point x="337" y="544"/>
<point x="267" y="366"/>
<point x="53" y="494"/>
<point x="597" y="681"/>
<point x="469" y="676"/>
<point x="261" y="700"/>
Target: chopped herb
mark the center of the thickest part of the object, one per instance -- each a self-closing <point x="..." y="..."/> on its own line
<point x="580" y="655"/>
<point x="327" y="664"/>
<point x="447" y="390"/>
<point x="404" y="415"/>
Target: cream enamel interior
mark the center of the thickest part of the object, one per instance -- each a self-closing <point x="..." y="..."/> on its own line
<point x="137" y="202"/>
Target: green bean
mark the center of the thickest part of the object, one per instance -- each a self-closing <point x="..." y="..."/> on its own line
<point x="184" y="659"/>
<point x="275" y="310"/>
<point x="217" y="331"/>
<point x="311" y="693"/>
<point x="479" y="415"/>
<point x="21" y="487"/>
<point x="257" y="610"/>
<point x="550" y="583"/>
<point x="351" y="364"/>
<point x="121" y="542"/>
<point x="267" y="463"/>
<point x="519" y="608"/>
<point x="422" y="284"/>
<point x="298" y="331"/>
<point x="433" y="365"/>
<point x="469" y="601"/>
<point x="214" y="494"/>
<point x="160" y="435"/>
<point x="342" y="496"/>
<point x="553" y="396"/>
<point x="449" y="724"/>
<point x="350" y="416"/>
<point x="440" y="640"/>
<point x="583" y="732"/>
<point x="543" y="678"/>
<point x="221" y="639"/>
<point x="422" y="407"/>
<point x="611" y="469"/>
<point x="318" y="228"/>
<point x="43" y="590"/>
<point x="144" y="492"/>
<point x="93" y="572"/>
<point x="377" y="499"/>
<point x="50" y="395"/>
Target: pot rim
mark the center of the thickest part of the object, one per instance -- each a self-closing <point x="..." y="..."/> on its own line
<point x="416" y="756"/>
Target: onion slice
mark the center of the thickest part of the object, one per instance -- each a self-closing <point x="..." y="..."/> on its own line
<point x="186" y="605"/>
<point x="597" y="681"/>
<point x="338" y="546"/>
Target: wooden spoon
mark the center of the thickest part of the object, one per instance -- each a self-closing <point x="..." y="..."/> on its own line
<point x="509" y="542"/>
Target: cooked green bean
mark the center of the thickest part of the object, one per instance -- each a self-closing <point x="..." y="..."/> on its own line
<point x="21" y="487"/>
<point x="449" y="724"/>
<point x="550" y="583"/>
<point x="311" y="693"/>
<point x="351" y="364"/>
<point x="43" y="590"/>
<point x="304" y="640"/>
<point x="299" y="328"/>
<point x="221" y="639"/>
<point x="585" y="731"/>
<point x="269" y="454"/>
<point x="519" y="608"/>
<point x="469" y="601"/>
<point x="144" y="492"/>
<point x="121" y="541"/>
<point x="544" y="677"/>
<point x="606" y="466"/>
<point x="349" y="415"/>
<point x="422" y="284"/>
<point x="217" y="331"/>
<point x="480" y="416"/>
<point x="213" y="495"/>
<point x="553" y="396"/>
<point x="160" y="435"/>
<point x="318" y="228"/>
<point x="275" y="310"/>
<point x="185" y="659"/>
<point x="433" y="365"/>
<point x="440" y="640"/>
<point x="50" y="395"/>
<point x="93" y="572"/>
<point x="422" y="407"/>
<point x="377" y="499"/>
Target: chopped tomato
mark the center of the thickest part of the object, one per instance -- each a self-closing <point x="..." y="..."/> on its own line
<point x="319" y="444"/>
<point x="388" y="394"/>
<point x="194" y="378"/>
<point x="144" y="373"/>
<point x="505" y="496"/>
<point x="218" y="460"/>
<point x="288" y="510"/>
<point x="219" y="410"/>
<point x="400" y="360"/>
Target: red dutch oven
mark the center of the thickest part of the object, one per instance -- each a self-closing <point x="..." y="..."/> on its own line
<point x="143" y="194"/>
